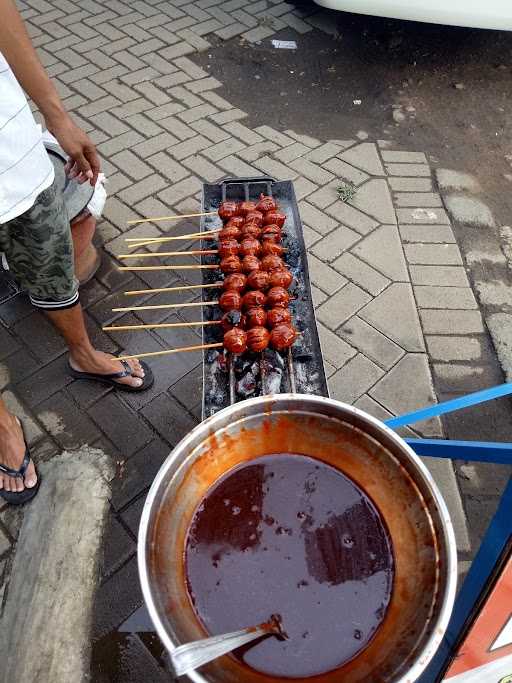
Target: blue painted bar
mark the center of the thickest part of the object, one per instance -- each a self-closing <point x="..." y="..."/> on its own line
<point x="449" y="406"/>
<point x="475" y="451"/>
<point x="496" y="540"/>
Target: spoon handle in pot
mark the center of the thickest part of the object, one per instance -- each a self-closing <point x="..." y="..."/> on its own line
<point x="190" y="656"/>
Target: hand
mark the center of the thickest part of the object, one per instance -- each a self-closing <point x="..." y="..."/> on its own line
<point x="84" y="162"/>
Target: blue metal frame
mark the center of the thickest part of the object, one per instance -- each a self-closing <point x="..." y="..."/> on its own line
<point x="499" y="533"/>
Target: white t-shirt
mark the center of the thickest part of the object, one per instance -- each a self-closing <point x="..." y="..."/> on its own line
<point x="25" y="168"/>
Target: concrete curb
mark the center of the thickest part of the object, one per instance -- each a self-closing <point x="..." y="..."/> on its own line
<point x="48" y="611"/>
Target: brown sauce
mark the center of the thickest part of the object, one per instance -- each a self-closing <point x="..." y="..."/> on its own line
<point x="291" y="535"/>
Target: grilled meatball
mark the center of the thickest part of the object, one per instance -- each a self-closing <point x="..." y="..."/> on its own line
<point x="282" y="337"/>
<point x="236" y="282"/>
<point x="235" y="340"/>
<point x="235" y="222"/>
<point x="256" y="317"/>
<point x="230" y="301"/>
<point x="255" y="217"/>
<point x="274" y="217"/>
<point x="233" y="319"/>
<point x="228" y="248"/>
<point x="278" y="316"/>
<point x="250" y="263"/>
<point x="257" y="339"/>
<point x="246" y="207"/>
<point x="266" y="204"/>
<point x="280" y="278"/>
<point x="271" y="232"/>
<point x="251" y="230"/>
<point x="271" y="262"/>
<point x="258" y="279"/>
<point x="231" y="233"/>
<point x="277" y="297"/>
<point x="272" y="248"/>
<point x="231" y="264"/>
<point x="253" y="299"/>
<point x="228" y="210"/>
<point x="250" y="247"/>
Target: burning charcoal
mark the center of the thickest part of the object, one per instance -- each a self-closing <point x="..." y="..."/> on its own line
<point x="294" y="288"/>
<point x="246" y="385"/>
<point x="273" y="360"/>
<point x="273" y="380"/>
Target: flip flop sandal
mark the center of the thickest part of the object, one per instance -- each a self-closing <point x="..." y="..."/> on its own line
<point x="110" y="379"/>
<point x="20" y="497"/>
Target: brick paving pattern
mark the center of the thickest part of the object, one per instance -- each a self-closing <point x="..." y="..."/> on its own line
<point x="392" y="296"/>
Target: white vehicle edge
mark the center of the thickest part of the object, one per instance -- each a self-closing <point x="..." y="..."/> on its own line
<point x="493" y="14"/>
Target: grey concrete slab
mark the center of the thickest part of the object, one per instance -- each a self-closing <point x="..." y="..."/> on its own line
<point x="383" y="250"/>
<point x="456" y="181"/>
<point x="500" y="327"/>
<point x="47" y="616"/>
<point x="469" y="210"/>
<point x="374" y="198"/>
<point x="366" y="157"/>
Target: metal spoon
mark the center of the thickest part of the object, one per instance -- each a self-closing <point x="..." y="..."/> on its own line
<point x="190" y="656"/>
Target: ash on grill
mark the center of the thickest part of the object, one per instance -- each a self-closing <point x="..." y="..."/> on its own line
<point x="227" y="378"/>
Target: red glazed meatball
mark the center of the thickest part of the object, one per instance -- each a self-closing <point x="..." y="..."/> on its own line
<point x="235" y="341"/>
<point x="277" y="297"/>
<point x="278" y="316"/>
<point x="246" y="207"/>
<point x="272" y="232"/>
<point x="253" y="299"/>
<point x="232" y="233"/>
<point x="271" y="262"/>
<point x="280" y="278"/>
<point x="251" y="230"/>
<point x="257" y="339"/>
<point x="272" y="248"/>
<point x="236" y="282"/>
<point x="282" y="337"/>
<point x="274" y="218"/>
<point x="258" y="279"/>
<point x="235" y="222"/>
<point x="233" y="319"/>
<point x="230" y="301"/>
<point x="231" y="264"/>
<point x="228" y="248"/>
<point x="250" y="263"/>
<point x="250" y="246"/>
<point x="228" y="210"/>
<point x="256" y="317"/>
<point x="254" y="217"/>
<point x="266" y="204"/>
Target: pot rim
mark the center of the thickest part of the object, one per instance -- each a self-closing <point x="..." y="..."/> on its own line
<point x="208" y="426"/>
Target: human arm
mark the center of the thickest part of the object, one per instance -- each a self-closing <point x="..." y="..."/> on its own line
<point x="17" y="48"/>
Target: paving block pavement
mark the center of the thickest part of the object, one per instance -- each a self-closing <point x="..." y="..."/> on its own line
<point x="391" y="290"/>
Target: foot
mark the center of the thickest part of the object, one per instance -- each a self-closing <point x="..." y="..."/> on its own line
<point x="12" y="452"/>
<point x="101" y="363"/>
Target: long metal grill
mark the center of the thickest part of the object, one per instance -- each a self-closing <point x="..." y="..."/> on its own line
<point x="228" y="379"/>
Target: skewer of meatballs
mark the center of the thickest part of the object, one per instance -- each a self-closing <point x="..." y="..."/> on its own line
<point x="255" y="298"/>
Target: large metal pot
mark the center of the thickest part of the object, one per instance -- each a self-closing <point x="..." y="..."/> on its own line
<point x="378" y="460"/>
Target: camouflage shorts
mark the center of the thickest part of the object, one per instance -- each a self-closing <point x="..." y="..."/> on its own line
<point x="39" y="251"/>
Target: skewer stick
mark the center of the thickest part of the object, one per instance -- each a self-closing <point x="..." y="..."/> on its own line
<point x="174" y="237"/>
<point x="182" y="267"/>
<point x="191" y="238"/>
<point x="170" y="218"/>
<point x="192" y="252"/>
<point x="117" y="328"/>
<point x="154" y="307"/>
<point x="172" y="289"/>
<point x="199" y="347"/>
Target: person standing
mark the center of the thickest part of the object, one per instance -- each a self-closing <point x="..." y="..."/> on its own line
<point x="35" y="233"/>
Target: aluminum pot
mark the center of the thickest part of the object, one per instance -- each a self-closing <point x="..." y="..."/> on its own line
<point x="365" y="450"/>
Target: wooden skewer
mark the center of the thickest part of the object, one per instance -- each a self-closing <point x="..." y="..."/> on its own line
<point x="191" y="238"/>
<point x="117" y="328"/>
<point x="192" y="252"/>
<point x="199" y="347"/>
<point x="170" y="218"/>
<point x="172" y="289"/>
<point x="194" y="267"/>
<point x="157" y="306"/>
<point x="174" y="237"/>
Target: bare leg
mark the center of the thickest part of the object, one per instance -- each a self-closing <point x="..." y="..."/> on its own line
<point x="12" y="451"/>
<point x="82" y="355"/>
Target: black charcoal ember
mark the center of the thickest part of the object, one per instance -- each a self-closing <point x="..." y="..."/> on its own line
<point x="247" y="384"/>
<point x="242" y="364"/>
<point x="294" y="289"/>
<point x="273" y="381"/>
<point x="272" y="359"/>
<point x="234" y="317"/>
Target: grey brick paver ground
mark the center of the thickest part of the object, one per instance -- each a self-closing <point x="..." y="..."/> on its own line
<point x="164" y="125"/>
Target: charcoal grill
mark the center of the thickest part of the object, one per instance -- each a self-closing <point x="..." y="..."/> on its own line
<point x="228" y="379"/>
